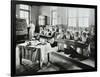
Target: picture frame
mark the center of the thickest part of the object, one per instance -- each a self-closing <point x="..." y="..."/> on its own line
<point x="86" y="67"/>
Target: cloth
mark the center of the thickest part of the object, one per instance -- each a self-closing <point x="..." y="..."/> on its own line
<point x="43" y="54"/>
<point x="45" y="49"/>
<point x="60" y="36"/>
<point x="76" y="38"/>
<point x="17" y="57"/>
<point x="83" y="39"/>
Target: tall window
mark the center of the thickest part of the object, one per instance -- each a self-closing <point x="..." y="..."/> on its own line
<point x="72" y="18"/>
<point x="25" y="12"/>
<point x="54" y="15"/>
<point x="78" y="18"/>
<point x="83" y="17"/>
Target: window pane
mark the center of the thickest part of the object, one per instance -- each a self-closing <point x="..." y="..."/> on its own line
<point x="83" y="12"/>
<point x="22" y="14"/>
<point x="72" y="12"/>
<point x="72" y="22"/>
<point x="54" y="15"/>
<point x="84" y="22"/>
<point x="81" y="22"/>
<point x="26" y="7"/>
<point x="41" y="20"/>
<point x="25" y="15"/>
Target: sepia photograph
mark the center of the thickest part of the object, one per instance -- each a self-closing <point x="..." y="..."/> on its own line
<point x="52" y="38"/>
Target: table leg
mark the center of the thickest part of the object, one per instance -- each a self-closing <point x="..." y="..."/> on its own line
<point x="82" y="52"/>
<point x="30" y="52"/>
<point x="20" y="55"/>
<point x="48" y="57"/>
<point x="39" y="58"/>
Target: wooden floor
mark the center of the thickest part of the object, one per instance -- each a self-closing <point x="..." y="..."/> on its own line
<point x="30" y="68"/>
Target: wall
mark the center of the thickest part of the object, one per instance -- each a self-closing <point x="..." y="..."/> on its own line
<point x="34" y="13"/>
<point x="71" y="12"/>
<point x="45" y="10"/>
<point x="17" y="11"/>
<point x="92" y="17"/>
<point x="62" y="18"/>
<point x="62" y="15"/>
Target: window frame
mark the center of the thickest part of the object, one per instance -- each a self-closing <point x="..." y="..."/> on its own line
<point x="26" y="10"/>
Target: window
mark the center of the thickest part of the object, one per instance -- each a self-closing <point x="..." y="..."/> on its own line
<point x="71" y="17"/>
<point x="25" y="12"/>
<point x="78" y="18"/>
<point x="72" y="22"/>
<point x="42" y="20"/>
<point x="54" y="15"/>
<point x="83" y="17"/>
<point x="83" y="22"/>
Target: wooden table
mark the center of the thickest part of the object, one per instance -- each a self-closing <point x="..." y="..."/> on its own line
<point x="73" y="43"/>
<point x="27" y="52"/>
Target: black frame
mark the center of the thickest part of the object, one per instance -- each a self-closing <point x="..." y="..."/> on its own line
<point x="13" y="34"/>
